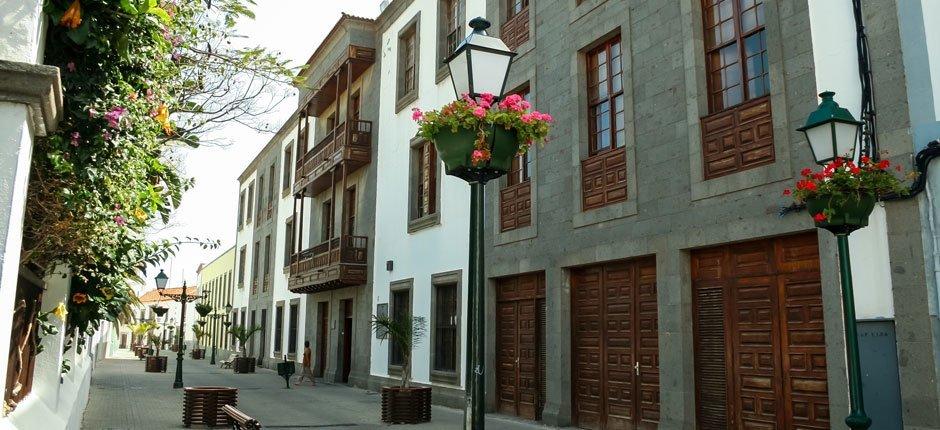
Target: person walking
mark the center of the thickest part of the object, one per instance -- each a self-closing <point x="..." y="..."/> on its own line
<point x="306" y="370"/>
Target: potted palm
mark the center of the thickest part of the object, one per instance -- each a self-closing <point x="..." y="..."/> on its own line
<point x="244" y="363"/>
<point x="478" y="138"/>
<point x="141" y="331"/>
<point x="199" y="333"/>
<point x="156" y="363"/>
<point x="404" y="404"/>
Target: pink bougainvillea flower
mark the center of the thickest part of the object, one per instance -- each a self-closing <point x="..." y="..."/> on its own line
<point x="149" y="94"/>
<point x="479" y="112"/>
<point x="119" y="220"/>
<point x="92" y="112"/>
<point x="820" y="217"/>
<point x="106" y="135"/>
<point x="114" y="116"/>
<point x="70" y="66"/>
<point x="74" y="137"/>
<point x="416" y="114"/>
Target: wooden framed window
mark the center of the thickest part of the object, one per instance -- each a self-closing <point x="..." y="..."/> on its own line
<point x="424" y="162"/>
<point x="515" y="199"/>
<point x="249" y="202"/>
<point x="326" y="221"/>
<point x="267" y="261"/>
<point x="349" y="204"/>
<point x="331" y="122"/>
<point x="735" y="51"/>
<point x="288" y="162"/>
<point x="450" y="28"/>
<point x="355" y="102"/>
<point x="446" y="328"/>
<point x="515" y="30"/>
<point x="272" y="176"/>
<point x="400" y="308"/>
<point x="408" y="46"/>
<point x="605" y="97"/>
<point x="259" y="209"/>
<point x="738" y="132"/>
<point x="516" y="7"/>
<point x="288" y="241"/>
<point x="278" y="328"/>
<point x="293" y="321"/>
<point x="241" y="209"/>
<point x="242" y="254"/>
<point x="255" y="255"/>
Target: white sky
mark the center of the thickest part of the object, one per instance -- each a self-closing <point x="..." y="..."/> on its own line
<point x="294" y="28"/>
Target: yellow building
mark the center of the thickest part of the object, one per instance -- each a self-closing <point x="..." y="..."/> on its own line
<point x="216" y="283"/>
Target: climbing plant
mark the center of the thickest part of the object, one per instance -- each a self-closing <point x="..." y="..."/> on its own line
<point x="143" y="81"/>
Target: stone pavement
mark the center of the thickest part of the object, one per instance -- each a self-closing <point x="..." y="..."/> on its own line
<point x="123" y="396"/>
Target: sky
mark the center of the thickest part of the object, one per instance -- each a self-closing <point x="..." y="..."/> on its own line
<point x="209" y="210"/>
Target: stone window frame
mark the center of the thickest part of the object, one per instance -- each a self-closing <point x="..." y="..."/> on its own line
<point x="289" y="241"/>
<point x="242" y="256"/>
<point x="455" y="278"/>
<point x="259" y="195"/>
<point x="441" y="69"/>
<point x="592" y="37"/>
<point x="250" y="202"/>
<point x="289" y="164"/>
<point x="415" y="223"/>
<point x="278" y="329"/>
<point x="293" y="304"/>
<point x="397" y="286"/>
<point x="241" y="210"/>
<point x="531" y="231"/>
<point x="403" y="98"/>
<point x="697" y="107"/>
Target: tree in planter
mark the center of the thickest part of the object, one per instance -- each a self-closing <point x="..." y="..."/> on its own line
<point x="199" y="333"/>
<point x="243" y="334"/>
<point x="404" y="404"/>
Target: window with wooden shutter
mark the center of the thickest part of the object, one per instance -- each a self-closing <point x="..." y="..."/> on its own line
<point x="250" y="202"/>
<point x="450" y="28"/>
<point x="445" y="328"/>
<point x="408" y="61"/>
<point x="326" y="221"/>
<point x="293" y="321"/>
<point x="288" y="241"/>
<point x="515" y="31"/>
<point x="515" y="199"/>
<point x="349" y="221"/>
<point x="738" y="133"/>
<point x="424" y="157"/>
<point x="400" y="310"/>
<point x="604" y="172"/>
<point x="278" y="328"/>
<point x="286" y="167"/>
<point x="242" y="254"/>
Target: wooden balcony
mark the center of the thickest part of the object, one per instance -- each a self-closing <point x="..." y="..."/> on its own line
<point x="515" y="31"/>
<point x="347" y="146"/>
<point x="337" y="263"/>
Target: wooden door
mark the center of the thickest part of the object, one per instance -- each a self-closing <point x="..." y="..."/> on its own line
<point x="520" y="346"/>
<point x="758" y="325"/>
<point x="323" y="314"/>
<point x="615" y="345"/>
<point x="347" y="337"/>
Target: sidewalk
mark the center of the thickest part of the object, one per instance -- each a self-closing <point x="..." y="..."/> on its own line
<point x="123" y="396"/>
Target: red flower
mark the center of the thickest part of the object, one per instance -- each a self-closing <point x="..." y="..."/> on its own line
<point x="787" y="192"/>
<point x="806" y="184"/>
<point x="79" y="298"/>
<point x="865" y="160"/>
<point x="820" y="217"/>
<point x="820" y="176"/>
<point x="838" y="162"/>
<point x="855" y="170"/>
<point x="884" y="164"/>
<point x="806" y="172"/>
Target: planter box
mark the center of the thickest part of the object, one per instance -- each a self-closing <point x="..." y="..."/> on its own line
<point x="203" y="405"/>
<point x="198" y="354"/>
<point x="845" y="218"/>
<point x="406" y="405"/>
<point x="243" y="365"/>
<point x="456" y="148"/>
<point x="156" y="364"/>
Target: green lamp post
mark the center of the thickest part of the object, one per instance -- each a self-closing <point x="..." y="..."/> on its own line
<point x="833" y="132"/>
<point x="479" y="65"/>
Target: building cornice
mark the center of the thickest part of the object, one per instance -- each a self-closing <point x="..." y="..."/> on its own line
<point x="37" y="86"/>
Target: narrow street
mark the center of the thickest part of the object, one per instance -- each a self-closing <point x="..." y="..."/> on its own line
<point x="123" y="396"/>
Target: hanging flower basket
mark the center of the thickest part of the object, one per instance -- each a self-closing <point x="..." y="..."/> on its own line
<point x="842" y="196"/>
<point x="477" y="139"/>
<point x="203" y="309"/>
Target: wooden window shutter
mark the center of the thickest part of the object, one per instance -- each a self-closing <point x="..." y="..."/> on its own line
<point x="711" y="377"/>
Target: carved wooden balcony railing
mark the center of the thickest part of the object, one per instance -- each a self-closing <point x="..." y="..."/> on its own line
<point x="336" y="263"/>
<point x="515" y="31"/>
<point x="604" y="179"/>
<point x="515" y="206"/>
<point x="343" y="145"/>
<point x="738" y="139"/>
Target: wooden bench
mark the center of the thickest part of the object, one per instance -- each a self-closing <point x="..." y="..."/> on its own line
<point x="225" y="364"/>
<point x="239" y="420"/>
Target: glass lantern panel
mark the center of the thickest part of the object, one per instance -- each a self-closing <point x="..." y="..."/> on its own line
<point x="820" y="139"/>
<point x="846" y="138"/>
<point x="458" y="73"/>
<point x="489" y="72"/>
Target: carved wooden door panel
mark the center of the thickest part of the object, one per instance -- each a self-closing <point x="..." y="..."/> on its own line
<point x="615" y="346"/>
<point x="759" y="341"/>
<point x="520" y="356"/>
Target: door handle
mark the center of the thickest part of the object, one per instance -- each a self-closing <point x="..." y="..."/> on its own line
<point x="636" y="368"/>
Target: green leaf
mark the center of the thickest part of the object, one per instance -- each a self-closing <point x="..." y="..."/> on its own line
<point x="80" y="35"/>
<point x="160" y="13"/>
<point x="129" y="8"/>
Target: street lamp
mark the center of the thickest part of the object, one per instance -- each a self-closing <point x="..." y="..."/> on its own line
<point x="479" y="65"/>
<point x="215" y="337"/>
<point x="161" y="312"/>
<point x="183" y="298"/>
<point x="833" y="132"/>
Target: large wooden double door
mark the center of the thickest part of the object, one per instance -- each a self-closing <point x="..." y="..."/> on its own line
<point x="520" y="345"/>
<point x="614" y="338"/>
<point x="760" y="351"/>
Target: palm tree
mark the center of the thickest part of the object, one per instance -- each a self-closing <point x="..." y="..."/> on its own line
<point x="243" y="334"/>
<point x="199" y="333"/>
<point x="405" y="332"/>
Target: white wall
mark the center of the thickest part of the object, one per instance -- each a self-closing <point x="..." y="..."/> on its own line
<point x="836" y="67"/>
<point x="931" y="13"/>
<point x="438" y="249"/>
<point x="244" y="238"/>
<point x="22" y="31"/>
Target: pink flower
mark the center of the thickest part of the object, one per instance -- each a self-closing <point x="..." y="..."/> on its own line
<point x="547" y="118"/>
<point x="416" y="114"/>
<point x="70" y="66"/>
<point x="479" y="112"/>
<point x="488" y="98"/>
<point x="75" y="136"/>
<point x="525" y="105"/>
<point x="149" y="94"/>
<point x="485" y="104"/>
<point x="114" y="116"/>
<point x="527" y="118"/>
<point x="106" y="135"/>
<point x="92" y="113"/>
<point x="119" y="220"/>
<point x="479" y="156"/>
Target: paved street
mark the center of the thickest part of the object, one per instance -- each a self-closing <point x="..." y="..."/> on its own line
<point x="123" y="396"/>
